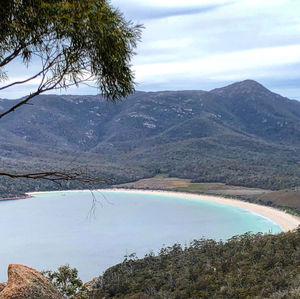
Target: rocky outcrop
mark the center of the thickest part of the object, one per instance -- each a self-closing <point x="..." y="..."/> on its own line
<point x="2" y="286"/>
<point x="25" y="282"/>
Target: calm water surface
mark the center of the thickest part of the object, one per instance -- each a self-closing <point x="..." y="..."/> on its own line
<point x="53" y="229"/>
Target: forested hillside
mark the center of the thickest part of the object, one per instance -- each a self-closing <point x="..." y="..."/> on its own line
<point x="242" y="134"/>
<point x="246" y="266"/>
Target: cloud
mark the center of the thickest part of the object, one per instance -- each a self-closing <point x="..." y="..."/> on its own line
<point x="246" y="39"/>
<point x="145" y="13"/>
<point x="218" y="64"/>
<point x="161" y="9"/>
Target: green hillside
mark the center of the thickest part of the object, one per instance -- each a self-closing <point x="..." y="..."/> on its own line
<point x="242" y="134"/>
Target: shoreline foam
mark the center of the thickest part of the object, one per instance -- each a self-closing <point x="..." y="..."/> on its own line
<point x="285" y="221"/>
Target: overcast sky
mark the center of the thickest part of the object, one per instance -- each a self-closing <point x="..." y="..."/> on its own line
<point x="203" y="44"/>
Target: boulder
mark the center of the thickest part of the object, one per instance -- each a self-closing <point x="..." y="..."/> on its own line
<point x="25" y="282"/>
<point x="2" y="286"/>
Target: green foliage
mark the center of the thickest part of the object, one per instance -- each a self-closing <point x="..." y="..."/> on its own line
<point x="65" y="279"/>
<point x="246" y="266"/>
<point x="73" y="40"/>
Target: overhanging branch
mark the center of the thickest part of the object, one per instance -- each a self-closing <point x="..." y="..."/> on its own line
<point x="10" y="57"/>
<point x="21" y="103"/>
<point x="55" y="176"/>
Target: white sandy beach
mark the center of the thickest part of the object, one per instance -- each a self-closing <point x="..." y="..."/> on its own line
<point x="286" y="221"/>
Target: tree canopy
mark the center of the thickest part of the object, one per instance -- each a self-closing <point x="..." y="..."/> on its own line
<point x="65" y="43"/>
<point x="245" y="266"/>
<point x="72" y="41"/>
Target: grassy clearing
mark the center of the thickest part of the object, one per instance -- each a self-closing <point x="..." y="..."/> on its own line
<point x="163" y="182"/>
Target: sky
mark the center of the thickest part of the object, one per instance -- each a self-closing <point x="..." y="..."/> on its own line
<point x="204" y="44"/>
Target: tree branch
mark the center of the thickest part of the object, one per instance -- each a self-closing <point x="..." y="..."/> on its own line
<point x="21" y="82"/>
<point x="42" y="87"/>
<point x="10" y="57"/>
<point x="23" y="102"/>
<point x="54" y="176"/>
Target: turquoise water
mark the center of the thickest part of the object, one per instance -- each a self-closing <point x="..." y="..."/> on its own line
<point x="53" y="229"/>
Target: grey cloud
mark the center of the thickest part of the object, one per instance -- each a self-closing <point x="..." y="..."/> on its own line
<point x="151" y="12"/>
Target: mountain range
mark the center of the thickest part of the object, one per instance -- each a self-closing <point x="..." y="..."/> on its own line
<point x="241" y="134"/>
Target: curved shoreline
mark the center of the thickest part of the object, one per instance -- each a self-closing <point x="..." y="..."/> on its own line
<point x="15" y="198"/>
<point x="285" y="221"/>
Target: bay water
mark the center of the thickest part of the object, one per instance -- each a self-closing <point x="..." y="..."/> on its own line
<point x="93" y="231"/>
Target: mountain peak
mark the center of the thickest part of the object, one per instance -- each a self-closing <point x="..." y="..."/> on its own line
<point x="243" y="87"/>
<point x="248" y="84"/>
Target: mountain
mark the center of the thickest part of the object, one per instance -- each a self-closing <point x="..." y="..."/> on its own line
<point x="241" y="134"/>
